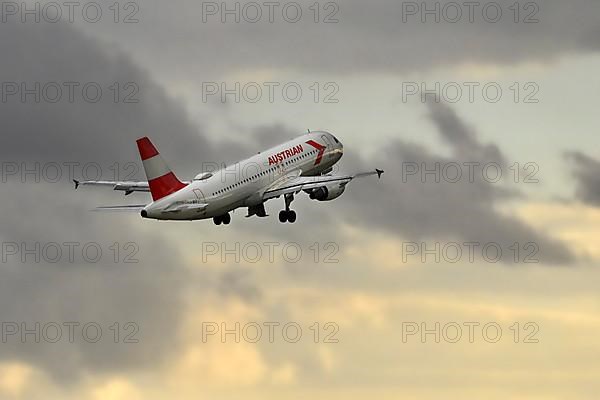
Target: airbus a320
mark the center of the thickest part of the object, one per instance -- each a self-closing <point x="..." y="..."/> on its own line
<point x="304" y="164"/>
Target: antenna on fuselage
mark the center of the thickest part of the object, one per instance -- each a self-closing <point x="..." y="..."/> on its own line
<point x="308" y="130"/>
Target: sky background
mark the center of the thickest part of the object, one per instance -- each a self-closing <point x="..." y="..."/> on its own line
<point x="362" y="280"/>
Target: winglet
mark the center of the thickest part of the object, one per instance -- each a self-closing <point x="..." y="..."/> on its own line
<point x="76" y="182"/>
<point x="379" y="172"/>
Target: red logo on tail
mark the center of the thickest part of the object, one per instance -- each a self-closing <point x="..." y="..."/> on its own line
<point x="320" y="148"/>
<point x="161" y="179"/>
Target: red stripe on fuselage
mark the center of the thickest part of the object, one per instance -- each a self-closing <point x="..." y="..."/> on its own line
<point x="320" y="148"/>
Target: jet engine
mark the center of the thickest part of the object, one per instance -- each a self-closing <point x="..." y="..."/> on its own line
<point x="326" y="193"/>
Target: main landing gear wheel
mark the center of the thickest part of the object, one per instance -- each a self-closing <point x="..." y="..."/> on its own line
<point x="288" y="215"/>
<point x="282" y="216"/>
<point x="291" y="216"/>
<point x="226" y="219"/>
<point x="222" y="219"/>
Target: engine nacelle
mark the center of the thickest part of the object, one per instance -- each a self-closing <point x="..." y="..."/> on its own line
<point x="326" y="193"/>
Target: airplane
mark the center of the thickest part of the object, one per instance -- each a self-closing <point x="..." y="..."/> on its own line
<point x="303" y="164"/>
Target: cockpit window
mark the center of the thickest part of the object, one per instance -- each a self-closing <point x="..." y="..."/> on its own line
<point x="334" y="138"/>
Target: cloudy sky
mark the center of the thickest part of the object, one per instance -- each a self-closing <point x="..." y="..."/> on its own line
<point x="468" y="271"/>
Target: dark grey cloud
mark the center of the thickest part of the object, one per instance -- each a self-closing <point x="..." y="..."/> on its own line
<point x="149" y="293"/>
<point x="83" y="131"/>
<point x="369" y="37"/>
<point x="414" y="208"/>
<point x="418" y="208"/>
<point x="587" y="177"/>
<point x="462" y="138"/>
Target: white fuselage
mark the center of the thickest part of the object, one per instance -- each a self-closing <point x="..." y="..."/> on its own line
<point x="244" y="183"/>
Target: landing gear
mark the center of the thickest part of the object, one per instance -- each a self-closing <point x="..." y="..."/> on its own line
<point x="288" y="215"/>
<point x="258" y="210"/>
<point x="226" y="219"/>
<point x="291" y="217"/>
<point x="222" y="219"/>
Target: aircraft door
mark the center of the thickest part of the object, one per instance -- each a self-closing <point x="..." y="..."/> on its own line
<point x="199" y="195"/>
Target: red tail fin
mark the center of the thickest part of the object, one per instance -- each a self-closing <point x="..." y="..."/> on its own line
<point x="161" y="179"/>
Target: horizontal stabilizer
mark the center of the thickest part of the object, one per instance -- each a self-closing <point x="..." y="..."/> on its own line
<point x="123" y="208"/>
<point x="125" y="186"/>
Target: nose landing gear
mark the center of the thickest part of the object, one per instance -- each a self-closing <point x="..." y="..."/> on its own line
<point x="288" y="215"/>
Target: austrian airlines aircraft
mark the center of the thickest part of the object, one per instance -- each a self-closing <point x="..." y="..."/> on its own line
<point x="303" y="164"/>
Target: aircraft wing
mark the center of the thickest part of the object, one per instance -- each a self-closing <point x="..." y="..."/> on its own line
<point x="295" y="185"/>
<point x="125" y="186"/>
